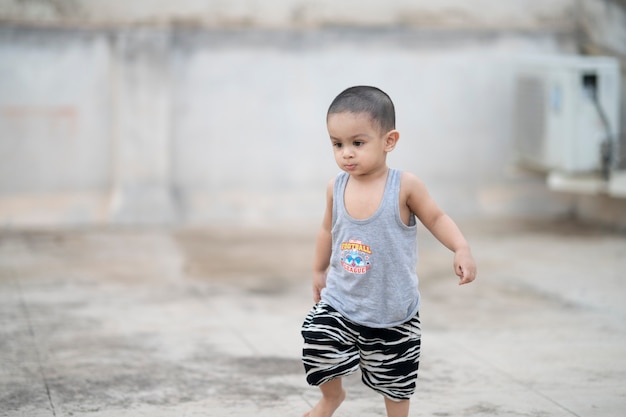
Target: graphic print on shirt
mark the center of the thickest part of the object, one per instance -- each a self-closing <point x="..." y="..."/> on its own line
<point x="355" y="256"/>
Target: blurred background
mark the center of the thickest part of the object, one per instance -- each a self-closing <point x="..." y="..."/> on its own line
<point x="163" y="167"/>
<point x="213" y="112"/>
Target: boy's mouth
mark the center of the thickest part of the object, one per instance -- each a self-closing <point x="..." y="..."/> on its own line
<point x="350" y="167"/>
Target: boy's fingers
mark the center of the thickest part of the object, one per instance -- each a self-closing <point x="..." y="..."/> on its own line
<point x="466" y="276"/>
<point x="459" y="271"/>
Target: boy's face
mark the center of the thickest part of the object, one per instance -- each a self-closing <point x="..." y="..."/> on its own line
<point x="359" y="146"/>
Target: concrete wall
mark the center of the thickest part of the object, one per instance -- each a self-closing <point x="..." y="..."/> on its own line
<point x="297" y="14"/>
<point x="214" y="112"/>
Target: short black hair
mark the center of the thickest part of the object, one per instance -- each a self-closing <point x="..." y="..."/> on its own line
<point x="366" y="99"/>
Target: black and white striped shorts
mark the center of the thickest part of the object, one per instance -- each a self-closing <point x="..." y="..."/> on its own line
<point x="335" y="346"/>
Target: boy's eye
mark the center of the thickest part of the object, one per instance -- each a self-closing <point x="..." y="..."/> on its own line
<point x="337" y="144"/>
<point x="358" y="143"/>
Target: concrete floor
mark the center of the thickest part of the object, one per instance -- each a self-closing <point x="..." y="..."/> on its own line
<point x="137" y="322"/>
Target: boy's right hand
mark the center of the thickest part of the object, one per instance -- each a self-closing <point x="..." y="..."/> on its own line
<point x="319" y="282"/>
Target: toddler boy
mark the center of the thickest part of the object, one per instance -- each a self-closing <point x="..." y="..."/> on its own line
<point x="364" y="275"/>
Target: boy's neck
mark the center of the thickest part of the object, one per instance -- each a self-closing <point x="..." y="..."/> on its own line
<point x="372" y="176"/>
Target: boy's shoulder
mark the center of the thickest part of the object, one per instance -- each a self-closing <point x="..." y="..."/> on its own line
<point x="409" y="178"/>
<point x="338" y="177"/>
<point x="411" y="184"/>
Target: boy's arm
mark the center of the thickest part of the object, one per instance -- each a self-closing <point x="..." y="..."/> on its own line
<point x="441" y="226"/>
<point x="323" y="246"/>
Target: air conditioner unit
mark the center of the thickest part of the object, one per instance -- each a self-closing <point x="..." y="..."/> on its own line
<point x="566" y="114"/>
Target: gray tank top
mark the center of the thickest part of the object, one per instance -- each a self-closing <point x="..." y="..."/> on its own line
<point x="372" y="278"/>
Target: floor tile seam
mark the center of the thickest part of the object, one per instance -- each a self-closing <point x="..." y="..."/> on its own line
<point x="233" y="329"/>
<point x="524" y="385"/>
<point x="31" y="330"/>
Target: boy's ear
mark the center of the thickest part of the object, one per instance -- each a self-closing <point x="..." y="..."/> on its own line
<point x="391" y="139"/>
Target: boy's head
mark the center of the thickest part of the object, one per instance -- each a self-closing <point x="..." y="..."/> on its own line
<point x="361" y="126"/>
<point x="369" y="100"/>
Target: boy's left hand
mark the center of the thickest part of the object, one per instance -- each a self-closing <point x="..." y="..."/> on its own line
<point x="464" y="266"/>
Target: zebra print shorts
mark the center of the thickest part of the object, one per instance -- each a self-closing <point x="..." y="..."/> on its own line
<point x="335" y="346"/>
